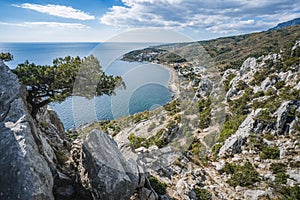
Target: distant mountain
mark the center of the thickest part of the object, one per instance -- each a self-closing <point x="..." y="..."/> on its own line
<point x="288" y="23"/>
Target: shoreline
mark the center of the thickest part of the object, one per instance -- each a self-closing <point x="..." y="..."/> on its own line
<point x="173" y="80"/>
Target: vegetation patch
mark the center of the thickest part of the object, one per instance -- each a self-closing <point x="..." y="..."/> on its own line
<point x="138" y="117"/>
<point x="196" y="147"/>
<point x="242" y="175"/>
<point x="290" y="193"/>
<point x="278" y="168"/>
<point x="281" y="177"/>
<point x="158" y="186"/>
<point x="265" y="116"/>
<point x="202" y="194"/>
<point x="204" y="109"/>
<point x="270" y="152"/>
<point x="230" y="127"/>
<point x="215" y="149"/>
<point x="160" y="139"/>
<point x="228" y="80"/>
<point x="6" y="56"/>
<point x="172" y="107"/>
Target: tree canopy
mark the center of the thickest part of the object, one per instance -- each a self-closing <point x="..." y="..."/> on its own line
<point x="69" y="76"/>
<point x="6" y="56"/>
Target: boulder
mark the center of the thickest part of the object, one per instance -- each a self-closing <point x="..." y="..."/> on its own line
<point x="234" y="143"/>
<point x="205" y="87"/>
<point x="294" y="174"/>
<point x="106" y="173"/>
<point x="296" y="45"/>
<point x="283" y="117"/>
<point x="256" y="194"/>
<point x="24" y="172"/>
<point x="249" y="65"/>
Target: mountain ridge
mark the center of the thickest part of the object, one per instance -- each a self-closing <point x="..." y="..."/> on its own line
<point x="292" y="22"/>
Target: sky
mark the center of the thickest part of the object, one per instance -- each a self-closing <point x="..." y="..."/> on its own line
<point x="102" y="20"/>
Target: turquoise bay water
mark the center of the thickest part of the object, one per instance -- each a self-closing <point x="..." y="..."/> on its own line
<point x="146" y="84"/>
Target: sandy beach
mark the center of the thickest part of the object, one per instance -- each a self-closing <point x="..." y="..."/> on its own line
<point x="173" y="81"/>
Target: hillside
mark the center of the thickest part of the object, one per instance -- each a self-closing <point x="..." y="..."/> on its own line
<point x="231" y="52"/>
<point x="237" y="135"/>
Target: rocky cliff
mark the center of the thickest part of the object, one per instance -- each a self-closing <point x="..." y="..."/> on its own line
<point x="38" y="162"/>
<point x="25" y="173"/>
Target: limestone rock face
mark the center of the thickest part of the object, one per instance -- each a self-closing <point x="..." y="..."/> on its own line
<point x="283" y="120"/>
<point x="108" y="174"/>
<point x="234" y="143"/>
<point x="24" y="172"/>
<point x="284" y="125"/>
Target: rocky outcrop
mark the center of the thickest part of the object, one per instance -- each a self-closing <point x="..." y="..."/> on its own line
<point x="34" y="155"/>
<point x="285" y="122"/>
<point x="103" y="169"/>
<point x="257" y="194"/>
<point x="234" y="143"/>
<point x="24" y="173"/>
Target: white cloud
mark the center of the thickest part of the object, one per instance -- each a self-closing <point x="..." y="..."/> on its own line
<point x="219" y="15"/>
<point x="60" y="25"/>
<point x="58" y="10"/>
<point x="240" y="26"/>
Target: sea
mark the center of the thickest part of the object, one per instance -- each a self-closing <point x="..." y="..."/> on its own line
<point x="146" y="84"/>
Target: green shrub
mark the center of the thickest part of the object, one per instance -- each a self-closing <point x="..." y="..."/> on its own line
<point x="172" y="107"/>
<point x="228" y="168"/>
<point x="258" y="94"/>
<point x="271" y="91"/>
<point x="240" y="106"/>
<point x="269" y="136"/>
<point x="158" y="186"/>
<point x="288" y="93"/>
<point x="245" y="175"/>
<point x="270" y="152"/>
<point x="290" y="193"/>
<point x="216" y="148"/>
<point x="281" y="177"/>
<point x="279" y="84"/>
<point x="271" y="103"/>
<point x="204" y="109"/>
<point x="178" y="118"/>
<point x="259" y="76"/>
<point x="256" y="142"/>
<point x="235" y="64"/>
<point x="6" y="56"/>
<point x="137" y="141"/>
<point x="196" y="147"/>
<point x="204" y="118"/>
<point x="292" y="60"/>
<point x="230" y="127"/>
<point x="278" y="168"/>
<point x="266" y="116"/>
<point x="202" y="194"/>
<point x="228" y="80"/>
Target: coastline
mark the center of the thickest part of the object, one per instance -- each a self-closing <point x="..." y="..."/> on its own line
<point x="173" y="81"/>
